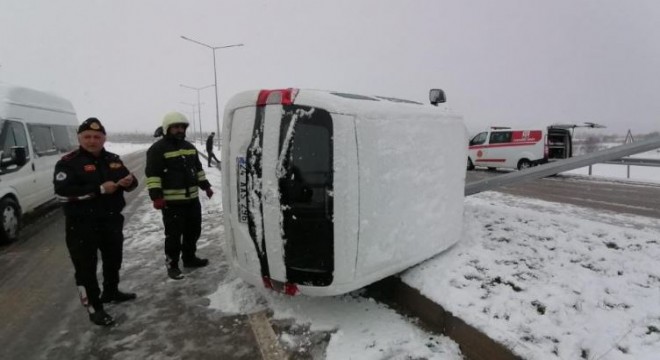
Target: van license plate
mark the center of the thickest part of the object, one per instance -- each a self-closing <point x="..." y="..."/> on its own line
<point x="241" y="182"/>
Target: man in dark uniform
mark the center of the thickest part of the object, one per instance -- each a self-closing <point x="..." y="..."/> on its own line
<point x="209" y="149"/>
<point x="174" y="176"/>
<point x="91" y="182"/>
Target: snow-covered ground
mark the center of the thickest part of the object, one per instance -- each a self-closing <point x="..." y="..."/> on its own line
<point x="547" y="280"/>
<point x="550" y="280"/>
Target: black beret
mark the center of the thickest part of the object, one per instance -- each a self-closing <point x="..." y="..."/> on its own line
<point x="91" y="124"/>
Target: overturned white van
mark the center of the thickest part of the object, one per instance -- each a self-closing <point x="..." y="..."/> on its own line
<point x="326" y="192"/>
<point x="36" y="128"/>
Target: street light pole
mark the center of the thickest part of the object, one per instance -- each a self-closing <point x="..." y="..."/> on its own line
<point x="193" y="115"/>
<point x="215" y="80"/>
<point x="199" y="107"/>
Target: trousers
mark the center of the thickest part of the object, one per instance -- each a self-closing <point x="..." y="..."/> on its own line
<point x="183" y="225"/>
<point x="211" y="155"/>
<point x="85" y="238"/>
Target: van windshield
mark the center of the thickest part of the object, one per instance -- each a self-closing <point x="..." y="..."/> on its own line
<point x="12" y="135"/>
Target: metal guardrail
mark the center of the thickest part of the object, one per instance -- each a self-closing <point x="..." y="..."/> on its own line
<point x="628" y="162"/>
<point x="611" y="154"/>
<point x="635" y="162"/>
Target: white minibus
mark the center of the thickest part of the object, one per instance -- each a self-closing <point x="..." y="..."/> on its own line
<point x="325" y="192"/>
<point x="36" y="129"/>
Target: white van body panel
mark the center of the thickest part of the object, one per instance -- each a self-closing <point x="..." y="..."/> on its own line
<point x="381" y="222"/>
<point x="31" y="185"/>
<point x="241" y="254"/>
<point x="390" y="240"/>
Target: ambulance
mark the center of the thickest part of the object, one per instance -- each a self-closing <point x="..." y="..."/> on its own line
<point x="325" y="192"/>
<point x="503" y="147"/>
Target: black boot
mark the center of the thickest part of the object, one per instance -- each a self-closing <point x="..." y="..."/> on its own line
<point x="174" y="273"/>
<point x="117" y="296"/>
<point x="195" y="262"/>
<point x="101" y="318"/>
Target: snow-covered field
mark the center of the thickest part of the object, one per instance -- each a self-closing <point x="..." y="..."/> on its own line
<point x="547" y="280"/>
<point x="637" y="173"/>
<point x="550" y="280"/>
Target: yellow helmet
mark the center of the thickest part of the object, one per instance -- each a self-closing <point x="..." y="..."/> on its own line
<point x="173" y="117"/>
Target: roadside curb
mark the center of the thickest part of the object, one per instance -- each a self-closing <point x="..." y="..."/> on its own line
<point x="474" y="344"/>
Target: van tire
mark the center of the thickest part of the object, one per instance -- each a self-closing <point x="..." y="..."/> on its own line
<point x="470" y="165"/>
<point x="10" y="215"/>
<point x="524" y="164"/>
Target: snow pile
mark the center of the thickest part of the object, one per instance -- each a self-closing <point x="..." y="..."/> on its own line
<point x="551" y="280"/>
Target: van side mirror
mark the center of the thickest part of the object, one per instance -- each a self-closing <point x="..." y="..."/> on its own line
<point x="18" y="155"/>
<point x="437" y="96"/>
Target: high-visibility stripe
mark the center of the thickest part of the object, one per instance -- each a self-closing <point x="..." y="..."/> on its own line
<point x="201" y="176"/>
<point x="153" y="182"/>
<point x="192" y="189"/>
<point x="182" y="152"/>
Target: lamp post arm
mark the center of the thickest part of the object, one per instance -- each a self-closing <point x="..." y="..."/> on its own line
<point x="196" y="42"/>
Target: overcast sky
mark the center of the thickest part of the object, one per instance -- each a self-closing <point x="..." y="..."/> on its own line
<point x="505" y="62"/>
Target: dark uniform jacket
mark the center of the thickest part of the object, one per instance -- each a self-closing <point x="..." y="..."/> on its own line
<point x="78" y="178"/>
<point x="209" y="143"/>
<point x="174" y="172"/>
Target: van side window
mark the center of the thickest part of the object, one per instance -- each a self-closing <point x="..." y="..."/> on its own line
<point x="500" y="137"/>
<point x="479" y="139"/>
<point x="42" y="140"/>
<point x="13" y="134"/>
<point x="65" y="138"/>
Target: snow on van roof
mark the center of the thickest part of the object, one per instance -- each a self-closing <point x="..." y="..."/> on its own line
<point x="347" y="103"/>
<point x="12" y="96"/>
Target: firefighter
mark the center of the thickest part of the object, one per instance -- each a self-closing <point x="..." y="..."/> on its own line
<point x="91" y="182"/>
<point x="174" y="176"/>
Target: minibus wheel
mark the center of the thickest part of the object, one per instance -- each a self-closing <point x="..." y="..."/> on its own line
<point x="470" y="165"/>
<point x="524" y="164"/>
<point x="10" y="219"/>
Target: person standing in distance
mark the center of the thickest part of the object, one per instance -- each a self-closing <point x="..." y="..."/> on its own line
<point x="174" y="177"/>
<point x="209" y="149"/>
<point x="91" y="182"/>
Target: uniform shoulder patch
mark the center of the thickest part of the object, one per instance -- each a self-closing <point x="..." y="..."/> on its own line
<point x="60" y="176"/>
<point x="71" y="155"/>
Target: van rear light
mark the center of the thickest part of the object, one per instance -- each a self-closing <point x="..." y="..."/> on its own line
<point x="267" y="283"/>
<point x="288" y="288"/>
<point x="278" y="96"/>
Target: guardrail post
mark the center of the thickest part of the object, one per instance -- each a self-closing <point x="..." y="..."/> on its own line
<point x="589" y="170"/>
<point x="628" y="171"/>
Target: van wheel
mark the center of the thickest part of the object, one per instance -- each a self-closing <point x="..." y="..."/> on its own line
<point x="10" y="220"/>
<point x="470" y="165"/>
<point x="524" y="164"/>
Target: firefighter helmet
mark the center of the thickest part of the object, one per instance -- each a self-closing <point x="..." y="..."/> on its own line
<point x="172" y="118"/>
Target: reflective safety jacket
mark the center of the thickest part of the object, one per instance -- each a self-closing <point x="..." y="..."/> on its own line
<point x="174" y="172"/>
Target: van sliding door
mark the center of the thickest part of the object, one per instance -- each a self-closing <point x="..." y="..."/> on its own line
<point x="305" y="173"/>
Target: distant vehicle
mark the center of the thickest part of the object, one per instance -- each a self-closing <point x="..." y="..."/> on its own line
<point x="36" y="128"/>
<point x="503" y="147"/>
<point x="325" y="192"/>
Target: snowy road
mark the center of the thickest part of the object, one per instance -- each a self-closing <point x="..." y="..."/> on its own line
<point x="611" y="195"/>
